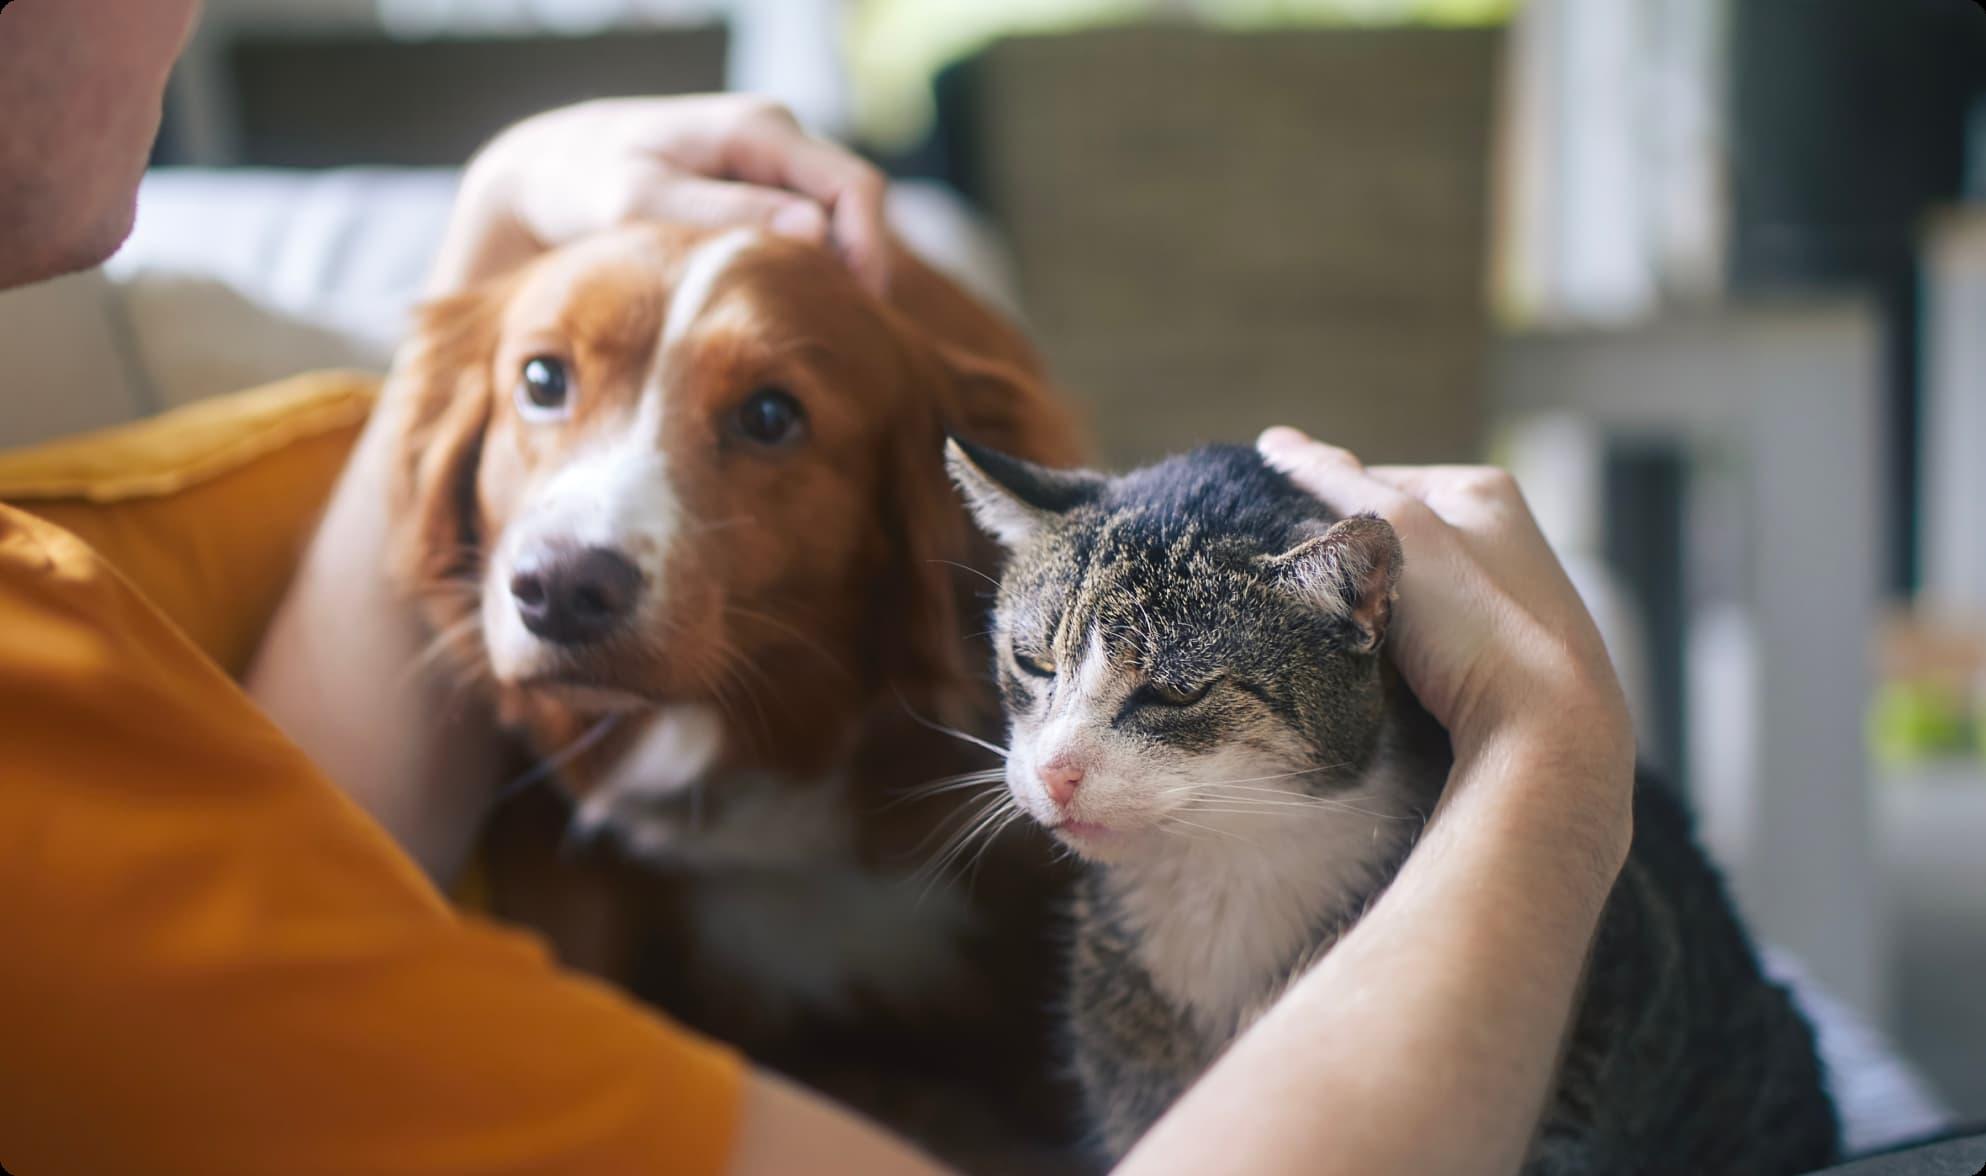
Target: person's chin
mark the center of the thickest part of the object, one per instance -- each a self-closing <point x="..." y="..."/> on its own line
<point x="87" y="249"/>
<point x="87" y="245"/>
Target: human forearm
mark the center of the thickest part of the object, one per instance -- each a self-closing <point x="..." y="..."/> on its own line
<point x="1426" y="1040"/>
<point x="344" y="671"/>
<point x="784" y="1128"/>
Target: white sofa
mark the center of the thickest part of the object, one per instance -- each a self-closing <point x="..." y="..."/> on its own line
<point x="233" y="278"/>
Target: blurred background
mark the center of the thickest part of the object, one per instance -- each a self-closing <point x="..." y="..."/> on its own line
<point x="1709" y="274"/>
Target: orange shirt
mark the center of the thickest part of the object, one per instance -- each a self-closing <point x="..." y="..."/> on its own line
<point x="212" y="962"/>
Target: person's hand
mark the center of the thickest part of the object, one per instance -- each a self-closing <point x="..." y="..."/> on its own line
<point x="707" y="160"/>
<point x="1488" y="630"/>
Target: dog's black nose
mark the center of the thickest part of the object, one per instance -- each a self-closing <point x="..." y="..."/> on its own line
<point x="575" y="595"/>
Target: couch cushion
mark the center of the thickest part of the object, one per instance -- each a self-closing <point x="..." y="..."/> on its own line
<point x="206" y="508"/>
<point x="67" y="334"/>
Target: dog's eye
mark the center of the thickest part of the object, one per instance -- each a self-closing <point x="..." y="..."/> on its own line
<point x="770" y="416"/>
<point x="1163" y="694"/>
<point x="1034" y="666"/>
<point x="543" y="389"/>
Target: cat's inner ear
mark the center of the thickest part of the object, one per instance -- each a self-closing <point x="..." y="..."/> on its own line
<point x="1011" y="499"/>
<point x="1350" y="571"/>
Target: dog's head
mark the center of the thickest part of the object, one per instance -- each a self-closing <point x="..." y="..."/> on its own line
<point x="696" y="479"/>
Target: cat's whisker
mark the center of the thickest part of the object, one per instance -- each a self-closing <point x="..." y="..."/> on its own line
<point x="953" y="822"/>
<point x="1240" y="780"/>
<point x="987" y="824"/>
<point x="1282" y="794"/>
<point x="986" y="843"/>
<point x="964" y="782"/>
<point x="955" y="828"/>
<point x="952" y="563"/>
<point x="954" y="732"/>
<point x="1261" y="807"/>
<point x="1181" y="822"/>
<point x="1271" y="797"/>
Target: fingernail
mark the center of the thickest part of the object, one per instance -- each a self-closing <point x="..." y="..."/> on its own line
<point x="800" y="220"/>
<point x="1281" y="438"/>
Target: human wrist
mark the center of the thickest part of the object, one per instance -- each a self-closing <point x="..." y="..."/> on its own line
<point x="1563" y="774"/>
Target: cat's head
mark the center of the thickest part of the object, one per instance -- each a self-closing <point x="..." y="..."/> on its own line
<point x="1190" y="647"/>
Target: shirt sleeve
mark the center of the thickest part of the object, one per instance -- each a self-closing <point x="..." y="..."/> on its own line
<point x="215" y="963"/>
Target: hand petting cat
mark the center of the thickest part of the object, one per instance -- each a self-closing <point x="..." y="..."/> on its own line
<point x="1488" y="630"/>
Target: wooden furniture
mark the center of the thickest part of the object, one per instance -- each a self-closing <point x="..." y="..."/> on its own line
<point x="1215" y="232"/>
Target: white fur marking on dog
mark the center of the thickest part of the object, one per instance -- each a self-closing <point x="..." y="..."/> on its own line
<point x="705" y="264"/>
<point x="614" y="495"/>
<point x="677" y="748"/>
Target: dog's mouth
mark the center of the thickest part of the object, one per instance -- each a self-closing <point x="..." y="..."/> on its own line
<point x="587" y="694"/>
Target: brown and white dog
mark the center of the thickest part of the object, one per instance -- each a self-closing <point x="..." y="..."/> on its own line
<point x="677" y="500"/>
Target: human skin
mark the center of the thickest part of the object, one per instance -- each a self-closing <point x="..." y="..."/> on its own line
<point x="82" y="85"/>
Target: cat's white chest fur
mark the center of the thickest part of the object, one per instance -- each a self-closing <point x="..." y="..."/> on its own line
<point x="1220" y="919"/>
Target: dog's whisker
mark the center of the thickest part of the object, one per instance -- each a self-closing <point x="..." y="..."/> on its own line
<point x="698" y="527"/>
<point x="556" y="762"/>
<point x="798" y="635"/>
<point x="728" y="675"/>
<point x="444" y="644"/>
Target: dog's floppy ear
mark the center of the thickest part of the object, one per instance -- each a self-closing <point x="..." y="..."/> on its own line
<point x="1012" y="409"/>
<point x="441" y="397"/>
<point x="946" y="565"/>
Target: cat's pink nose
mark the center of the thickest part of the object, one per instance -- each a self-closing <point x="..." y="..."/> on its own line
<point x="1060" y="777"/>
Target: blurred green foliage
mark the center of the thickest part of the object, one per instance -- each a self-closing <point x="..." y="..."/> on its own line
<point x="1912" y="722"/>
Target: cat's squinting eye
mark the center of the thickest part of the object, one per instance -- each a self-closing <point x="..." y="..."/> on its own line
<point x="1165" y="695"/>
<point x="1035" y="666"/>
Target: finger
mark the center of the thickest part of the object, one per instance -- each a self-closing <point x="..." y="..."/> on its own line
<point x="1334" y="475"/>
<point x="690" y="200"/>
<point x="1484" y="483"/>
<point x="1481" y="501"/>
<point x="779" y="154"/>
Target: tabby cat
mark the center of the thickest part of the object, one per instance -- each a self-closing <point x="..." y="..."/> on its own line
<point x="1190" y="657"/>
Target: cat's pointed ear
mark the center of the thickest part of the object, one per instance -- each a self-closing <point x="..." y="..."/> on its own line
<point x="1011" y="498"/>
<point x="1349" y="571"/>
